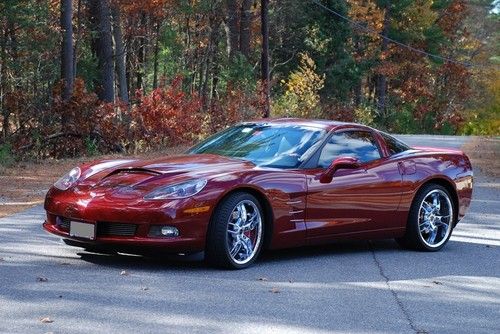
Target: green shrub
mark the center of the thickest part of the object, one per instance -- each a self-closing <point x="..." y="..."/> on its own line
<point x="481" y="127"/>
<point x="301" y="97"/>
<point x="91" y="147"/>
<point x="401" y="121"/>
<point x="365" y="114"/>
<point x="6" y="157"/>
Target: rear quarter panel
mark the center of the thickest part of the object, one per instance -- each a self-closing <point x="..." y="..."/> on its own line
<point x="446" y="167"/>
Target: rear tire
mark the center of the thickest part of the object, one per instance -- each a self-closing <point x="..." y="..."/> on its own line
<point x="236" y="232"/>
<point x="430" y="221"/>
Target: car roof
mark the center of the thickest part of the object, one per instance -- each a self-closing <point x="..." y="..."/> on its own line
<point x="317" y="123"/>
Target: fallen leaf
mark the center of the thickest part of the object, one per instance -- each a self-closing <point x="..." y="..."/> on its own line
<point x="42" y="279"/>
<point x="46" y="320"/>
<point x="124" y="273"/>
<point x="263" y="279"/>
<point x="274" y="290"/>
<point x="437" y="282"/>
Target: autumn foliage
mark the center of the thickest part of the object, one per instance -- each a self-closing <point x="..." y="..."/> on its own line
<point x="166" y="116"/>
<point x="72" y="127"/>
<point x="173" y="72"/>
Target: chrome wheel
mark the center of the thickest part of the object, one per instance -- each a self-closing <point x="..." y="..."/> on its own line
<point x="244" y="232"/>
<point x="435" y="218"/>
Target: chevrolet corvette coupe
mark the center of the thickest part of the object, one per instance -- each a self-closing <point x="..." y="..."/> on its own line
<point x="265" y="184"/>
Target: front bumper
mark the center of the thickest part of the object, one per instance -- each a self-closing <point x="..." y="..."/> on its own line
<point x="140" y="216"/>
<point x="135" y="244"/>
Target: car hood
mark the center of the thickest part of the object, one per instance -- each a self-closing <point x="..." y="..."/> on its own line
<point x="148" y="174"/>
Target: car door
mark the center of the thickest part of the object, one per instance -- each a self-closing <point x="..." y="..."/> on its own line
<point x="356" y="200"/>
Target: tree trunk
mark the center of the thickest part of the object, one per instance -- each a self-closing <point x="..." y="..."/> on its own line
<point x="120" y="60"/>
<point x="264" y="7"/>
<point x="245" y="27"/>
<point x="210" y="61"/>
<point x="381" y="78"/>
<point x="141" y="55"/>
<point x="78" y="37"/>
<point x="358" y="85"/>
<point x="15" y="74"/>
<point x="358" y="93"/>
<point x="14" y="53"/>
<point x="215" y="65"/>
<point x="232" y="27"/>
<point x="128" y="66"/>
<point x="67" y="66"/>
<point x="155" y="56"/>
<point x="3" y="82"/>
<point x="104" y="49"/>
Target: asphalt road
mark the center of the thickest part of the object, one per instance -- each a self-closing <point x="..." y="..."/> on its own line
<point x="345" y="287"/>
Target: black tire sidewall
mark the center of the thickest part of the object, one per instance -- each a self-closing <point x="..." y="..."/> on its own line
<point x="219" y="254"/>
<point x="413" y="226"/>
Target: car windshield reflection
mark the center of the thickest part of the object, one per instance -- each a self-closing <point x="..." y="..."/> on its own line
<point x="270" y="145"/>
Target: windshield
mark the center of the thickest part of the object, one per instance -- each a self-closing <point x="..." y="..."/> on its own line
<point x="271" y="145"/>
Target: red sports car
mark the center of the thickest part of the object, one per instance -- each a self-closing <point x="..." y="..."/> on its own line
<point x="265" y="184"/>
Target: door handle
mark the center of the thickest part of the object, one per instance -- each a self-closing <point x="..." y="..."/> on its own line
<point x="401" y="168"/>
<point x="407" y="167"/>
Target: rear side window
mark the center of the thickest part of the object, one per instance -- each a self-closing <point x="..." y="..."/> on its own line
<point x="393" y="145"/>
<point x="358" y="144"/>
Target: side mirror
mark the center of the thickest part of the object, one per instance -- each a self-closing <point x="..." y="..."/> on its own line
<point x="339" y="163"/>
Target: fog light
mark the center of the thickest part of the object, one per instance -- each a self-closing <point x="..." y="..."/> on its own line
<point x="169" y="231"/>
<point x="163" y="231"/>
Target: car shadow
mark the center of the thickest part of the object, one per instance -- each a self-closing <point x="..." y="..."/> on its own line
<point x="197" y="260"/>
<point x="310" y="263"/>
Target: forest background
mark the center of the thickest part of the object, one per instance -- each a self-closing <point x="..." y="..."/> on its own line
<point x="88" y="77"/>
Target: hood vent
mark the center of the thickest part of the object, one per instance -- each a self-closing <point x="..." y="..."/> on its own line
<point x="136" y="170"/>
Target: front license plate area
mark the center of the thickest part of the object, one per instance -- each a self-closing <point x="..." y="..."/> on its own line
<point x="82" y="230"/>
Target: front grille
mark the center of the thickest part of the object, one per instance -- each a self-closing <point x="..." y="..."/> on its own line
<point x="103" y="228"/>
<point x="115" y="229"/>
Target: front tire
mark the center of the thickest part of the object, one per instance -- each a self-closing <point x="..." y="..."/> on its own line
<point x="236" y="232"/>
<point x="430" y="220"/>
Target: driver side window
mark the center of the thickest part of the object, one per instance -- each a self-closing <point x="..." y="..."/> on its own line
<point x="358" y="144"/>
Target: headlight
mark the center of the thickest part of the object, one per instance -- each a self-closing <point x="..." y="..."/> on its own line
<point x="180" y="190"/>
<point x="68" y="180"/>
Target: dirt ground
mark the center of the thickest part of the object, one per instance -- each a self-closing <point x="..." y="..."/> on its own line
<point x="24" y="184"/>
<point x="484" y="154"/>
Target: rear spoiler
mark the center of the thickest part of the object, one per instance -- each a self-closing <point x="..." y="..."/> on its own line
<point x="437" y="149"/>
